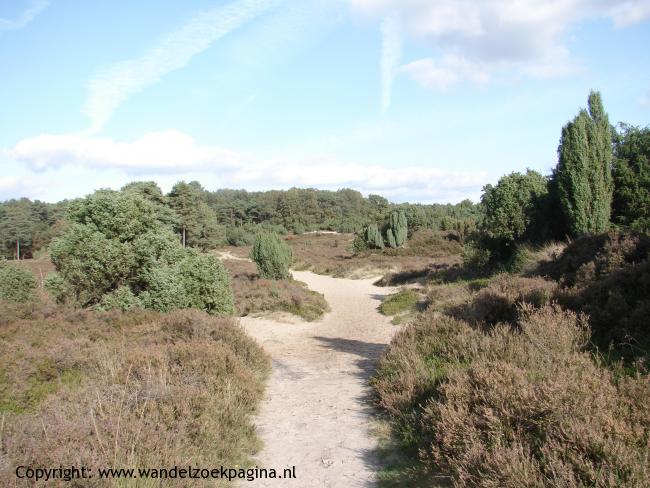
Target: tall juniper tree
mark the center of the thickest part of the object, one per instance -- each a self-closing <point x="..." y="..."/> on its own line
<point x="583" y="177"/>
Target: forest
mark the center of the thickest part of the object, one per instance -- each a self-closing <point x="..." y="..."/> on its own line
<point x="518" y="327"/>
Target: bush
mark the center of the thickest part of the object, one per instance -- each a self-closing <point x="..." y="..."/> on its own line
<point x="397" y="229"/>
<point x="515" y="406"/>
<point x="272" y="256"/>
<point x="57" y="287"/>
<point x="475" y="258"/>
<point x="238" y="236"/>
<point x="120" y="299"/>
<point x="16" y="284"/>
<point x="107" y="260"/>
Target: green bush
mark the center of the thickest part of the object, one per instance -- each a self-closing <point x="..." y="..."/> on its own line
<point x="372" y="237"/>
<point x="475" y="258"/>
<point x="120" y="299"/>
<point x="106" y="260"/>
<point x="57" y="287"/>
<point x="397" y="230"/>
<point x="272" y="256"/>
<point x="238" y="236"/>
<point x="16" y="284"/>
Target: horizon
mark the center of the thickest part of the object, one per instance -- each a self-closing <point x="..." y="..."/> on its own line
<point x="414" y="102"/>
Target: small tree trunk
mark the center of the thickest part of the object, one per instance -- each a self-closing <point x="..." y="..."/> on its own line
<point x="183" y="236"/>
<point x="18" y="249"/>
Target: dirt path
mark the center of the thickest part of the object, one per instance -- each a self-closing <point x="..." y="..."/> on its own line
<point x="316" y="413"/>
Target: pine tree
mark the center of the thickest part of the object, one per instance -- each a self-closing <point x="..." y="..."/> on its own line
<point x="583" y="176"/>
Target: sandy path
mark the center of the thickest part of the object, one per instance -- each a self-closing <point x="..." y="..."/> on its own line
<point x="316" y="413"/>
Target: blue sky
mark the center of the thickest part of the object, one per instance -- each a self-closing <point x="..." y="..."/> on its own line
<point x="416" y="100"/>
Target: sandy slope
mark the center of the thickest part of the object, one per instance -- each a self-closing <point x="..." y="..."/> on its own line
<point x="316" y="412"/>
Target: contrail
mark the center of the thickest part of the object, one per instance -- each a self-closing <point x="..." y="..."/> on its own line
<point x="108" y="89"/>
<point x="391" y="54"/>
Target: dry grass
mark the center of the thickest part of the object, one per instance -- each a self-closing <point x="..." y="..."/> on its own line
<point x="135" y="389"/>
<point x="330" y="254"/>
<point x="255" y="295"/>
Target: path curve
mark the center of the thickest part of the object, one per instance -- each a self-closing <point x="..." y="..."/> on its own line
<point x="316" y="414"/>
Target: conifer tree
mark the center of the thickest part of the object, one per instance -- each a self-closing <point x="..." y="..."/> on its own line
<point x="583" y="177"/>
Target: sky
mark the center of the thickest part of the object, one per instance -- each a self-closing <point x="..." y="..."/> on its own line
<point x="416" y="100"/>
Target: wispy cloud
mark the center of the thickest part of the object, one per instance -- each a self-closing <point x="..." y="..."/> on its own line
<point x="109" y="88"/>
<point x="478" y="40"/>
<point x="25" y="17"/>
<point x="171" y="155"/>
<point x="391" y="55"/>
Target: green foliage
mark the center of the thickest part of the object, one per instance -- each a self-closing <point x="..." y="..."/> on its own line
<point x="272" y="255"/>
<point x="631" y="204"/>
<point x="29" y="224"/>
<point x="57" y="287"/>
<point x="584" y="172"/>
<point x="372" y="237"/>
<point x="476" y="259"/>
<point x="119" y="299"/>
<point x="117" y="254"/>
<point x="399" y="302"/>
<point x="397" y="229"/>
<point x="514" y="207"/>
<point x="238" y="236"/>
<point x="16" y="283"/>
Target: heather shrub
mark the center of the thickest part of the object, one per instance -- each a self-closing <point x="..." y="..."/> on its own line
<point x="16" y="284"/>
<point x="272" y="256"/>
<point x="514" y="406"/>
<point x="128" y="389"/>
<point x="608" y="277"/>
<point x="502" y="299"/>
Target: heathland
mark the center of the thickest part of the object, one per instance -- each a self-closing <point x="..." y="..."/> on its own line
<point x="499" y="343"/>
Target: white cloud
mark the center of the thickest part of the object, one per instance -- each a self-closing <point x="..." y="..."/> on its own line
<point x="486" y="39"/>
<point x="174" y="155"/>
<point x="167" y="151"/>
<point x="391" y="54"/>
<point x="26" y="16"/>
<point x="109" y="88"/>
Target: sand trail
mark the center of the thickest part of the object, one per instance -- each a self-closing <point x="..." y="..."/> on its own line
<point x="316" y="413"/>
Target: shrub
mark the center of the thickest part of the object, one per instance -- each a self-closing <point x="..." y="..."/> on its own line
<point x="238" y="236"/>
<point x="127" y="389"/>
<point x="514" y="207"/>
<point x="57" y="287"/>
<point x="514" y="406"/>
<point x="399" y="302"/>
<point x="397" y="229"/>
<point x="120" y="299"/>
<point x="272" y="256"/>
<point x="117" y="254"/>
<point x="16" y="284"/>
<point x="372" y="237"/>
<point x="475" y="258"/>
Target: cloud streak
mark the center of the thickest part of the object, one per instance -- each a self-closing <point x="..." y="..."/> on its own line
<point x="479" y="41"/>
<point x="109" y="88"/>
<point x="172" y="154"/>
<point x="391" y="55"/>
<point x="25" y="17"/>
